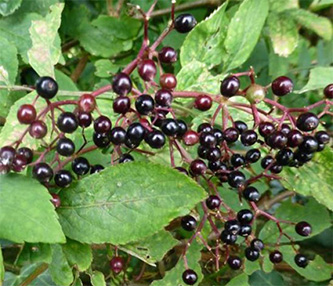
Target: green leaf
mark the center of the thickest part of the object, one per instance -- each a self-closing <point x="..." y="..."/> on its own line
<point x="97" y="279"/>
<point x="199" y="79"/>
<point x="35" y="252"/>
<point x="320" y="4"/>
<point x="205" y="42"/>
<point x="41" y="7"/>
<point x="44" y="279"/>
<point x="281" y="5"/>
<point x="60" y="270"/>
<point x="174" y="276"/>
<point x="267" y="265"/>
<point x="152" y="248"/>
<point x="26" y="213"/>
<point x="45" y="51"/>
<point x="97" y="205"/>
<point x="251" y="266"/>
<point x="320" y="25"/>
<point x="314" y="213"/>
<point x="268" y="279"/>
<point x="319" y="180"/>
<point x="283" y="33"/>
<point x="8" y="7"/>
<point x="240" y="280"/>
<point x="244" y="31"/>
<point x="78" y="254"/>
<point x="2" y="267"/>
<point x="317" y="269"/>
<point x="320" y="77"/>
<point x="105" y="68"/>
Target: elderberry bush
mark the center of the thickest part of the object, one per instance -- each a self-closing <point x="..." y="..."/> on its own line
<point x="166" y="148"/>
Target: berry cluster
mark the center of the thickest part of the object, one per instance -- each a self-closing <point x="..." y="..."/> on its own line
<point x="148" y="118"/>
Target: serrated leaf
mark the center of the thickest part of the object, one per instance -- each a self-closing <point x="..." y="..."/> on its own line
<point x="26" y="213"/>
<point x="319" y="78"/>
<point x="244" y="31"/>
<point x="313" y="212"/>
<point x="8" y="7"/>
<point x="174" y="276"/>
<point x="317" y="269"/>
<point x="205" y="42"/>
<point x="97" y="279"/>
<point x="78" y="254"/>
<point x="313" y="179"/>
<point x="152" y="248"/>
<point x="283" y="32"/>
<point x="268" y="279"/>
<point x="320" y="25"/>
<point x="97" y="205"/>
<point x="34" y="253"/>
<point x="45" y="51"/>
<point x="59" y="268"/>
<point x="199" y="79"/>
<point x="240" y="280"/>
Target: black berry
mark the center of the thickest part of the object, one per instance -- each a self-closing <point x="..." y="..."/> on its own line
<point x="301" y="260"/>
<point x="42" y="172"/>
<point x="230" y="86"/>
<point x="189" y="223"/>
<point x="65" y="147"/>
<point x="46" y="87"/>
<point x="252" y="253"/>
<point x="184" y="23"/>
<point x="80" y="166"/>
<point x="307" y="121"/>
<point x="245" y="216"/>
<point x="276" y="257"/>
<point x="63" y="178"/>
<point x="251" y="194"/>
<point x="190" y="277"/>
<point x="303" y="228"/>
<point x="282" y="86"/>
<point x="67" y="122"/>
<point x="122" y="84"/>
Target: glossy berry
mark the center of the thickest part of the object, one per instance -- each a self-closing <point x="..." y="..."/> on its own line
<point x="237" y="160"/>
<point x="230" y="86"/>
<point x="26" y="114"/>
<point x="227" y="237"/>
<point x="147" y="70"/>
<point x="245" y="230"/>
<point x="84" y="119"/>
<point x="144" y="104"/>
<point x="163" y="97"/>
<point x="251" y="194"/>
<point x="121" y="84"/>
<point x="67" y="122"/>
<point x="102" y="124"/>
<point x="231" y="135"/>
<point x="251" y="253"/>
<point x="198" y="167"/>
<point x="155" y="139"/>
<point x="136" y="132"/>
<point x="284" y="157"/>
<point x="7" y="155"/>
<point x="207" y="139"/>
<point x="204" y="127"/>
<point x="170" y="127"/>
<point x="80" y="166"/>
<point x="234" y="262"/>
<point x="131" y="144"/>
<point x="101" y="140"/>
<point x="276" y="257"/>
<point x="190" y="138"/>
<point x="46" y="87"/>
<point x="321" y="147"/>
<point x="117" y="264"/>
<point x="203" y="102"/>
<point x="307" y="121"/>
<point x="276" y="168"/>
<point x="65" y="147"/>
<point x="285" y="129"/>
<point x="328" y="91"/>
<point x="309" y="145"/>
<point x="202" y="151"/>
<point x="322" y="137"/>
<point x="266" y="161"/>
<point x="257" y="243"/>
<point x="266" y="129"/>
<point x="301" y="260"/>
<point x="87" y="103"/>
<point x="213" y="154"/>
<point x="218" y="135"/>
<point x="38" y="129"/>
<point x="188" y="223"/>
<point x="240" y="126"/>
<point x="245" y="216"/>
<point x="295" y="138"/>
<point x="55" y="200"/>
<point x="249" y="137"/>
<point x="277" y="140"/>
<point x="214" y="166"/>
<point x="19" y="163"/>
<point x="96" y="169"/>
<point x="42" y="172"/>
<point x="184" y="23"/>
<point x="282" y="86"/>
<point x="190" y="277"/>
<point x="27" y="153"/>
<point x="182" y="128"/>
<point x="236" y="179"/>
<point x="126" y="158"/>
<point x="253" y="155"/>
<point x="213" y="202"/>
<point x="63" y="178"/>
<point x="118" y="135"/>
<point x="303" y="228"/>
<point x="121" y="104"/>
<point x="302" y="157"/>
<point x="232" y="226"/>
<point x="167" y="55"/>
<point x="168" y="81"/>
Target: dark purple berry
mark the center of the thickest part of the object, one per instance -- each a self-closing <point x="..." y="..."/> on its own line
<point x="282" y="86"/>
<point x="65" y="147"/>
<point x="126" y="158"/>
<point x="63" y="178"/>
<point x="251" y="253"/>
<point x="266" y="129"/>
<point x="27" y="153"/>
<point x="285" y="129"/>
<point x="38" y="129"/>
<point x="203" y="102"/>
<point x="234" y="262"/>
<point x="232" y="226"/>
<point x="144" y="104"/>
<point x="245" y="216"/>
<point x="80" y="166"/>
<point x="322" y="137"/>
<point x="295" y="138"/>
<point x="237" y="160"/>
<point x="182" y="128"/>
<point x="101" y="140"/>
<point x="190" y="277"/>
<point x="84" y="119"/>
<point x="249" y="137"/>
<point x="19" y="163"/>
<point x="266" y="161"/>
<point x="67" y="122"/>
<point x="251" y="194"/>
<point x="96" y="169"/>
<point x="218" y="135"/>
<point x="277" y="140"/>
<point x="42" y="172"/>
<point x="257" y="243"/>
<point x="188" y="223"/>
<point x="46" y="87"/>
<point x="245" y="230"/>
<point x="155" y="139"/>
<point x="213" y="154"/>
<point x="121" y="104"/>
<point x="184" y="23"/>
<point x="231" y="134"/>
<point x="190" y="138"/>
<point x="121" y="84"/>
<point x="167" y="55"/>
<point x="328" y="91"/>
<point x="87" y="103"/>
<point x="230" y="86"/>
<point x="118" y="135"/>
<point x="102" y="124"/>
<point x="207" y="139"/>
<point x="227" y="237"/>
<point x="170" y="127"/>
<point x="7" y="155"/>
<point x="213" y="202"/>
<point x="163" y="97"/>
<point x="284" y="157"/>
<point x="307" y="121"/>
<point x="253" y="155"/>
<point x="198" y="167"/>
<point x="303" y="228"/>
<point x="236" y="179"/>
<point x="301" y="260"/>
<point x="204" y="127"/>
<point x="240" y="126"/>
<point x="276" y="257"/>
<point x="309" y="145"/>
<point x="147" y="70"/>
